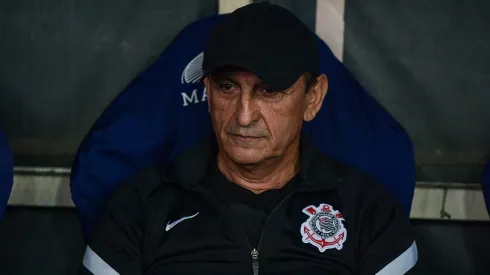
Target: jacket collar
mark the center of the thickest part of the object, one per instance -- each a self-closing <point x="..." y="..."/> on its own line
<point x="316" y="169"/>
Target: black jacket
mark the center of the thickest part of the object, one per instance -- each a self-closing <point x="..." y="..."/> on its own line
<point x="165" y="221"/>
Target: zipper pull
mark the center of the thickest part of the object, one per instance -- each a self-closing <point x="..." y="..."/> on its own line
<point x="255" y="261"/>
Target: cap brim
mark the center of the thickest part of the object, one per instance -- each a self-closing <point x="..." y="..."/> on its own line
<point x="274" y="72"/>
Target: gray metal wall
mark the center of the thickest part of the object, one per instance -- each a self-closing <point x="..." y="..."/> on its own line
<point x="62" y="62"/>
<point x="428" y="64"/>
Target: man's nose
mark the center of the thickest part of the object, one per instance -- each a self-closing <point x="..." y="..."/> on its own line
<point x="247" y="111"/>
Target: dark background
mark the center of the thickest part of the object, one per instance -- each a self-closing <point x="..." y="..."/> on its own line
<point x="426" y="62"/>
<point x="62" y="62"/>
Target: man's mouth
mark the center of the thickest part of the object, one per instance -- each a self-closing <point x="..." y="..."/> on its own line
<point x="244" y="138"/>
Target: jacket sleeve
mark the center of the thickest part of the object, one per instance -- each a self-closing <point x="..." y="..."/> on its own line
<point x="115" y="246"/>
<point x="386" y="243"/>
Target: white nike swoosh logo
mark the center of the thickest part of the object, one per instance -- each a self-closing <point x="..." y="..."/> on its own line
<point x="171" y="225"/>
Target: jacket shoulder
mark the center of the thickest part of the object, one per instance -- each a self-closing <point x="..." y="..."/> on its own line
<point x="355" y="181"/>
<point x="142" y="184"/>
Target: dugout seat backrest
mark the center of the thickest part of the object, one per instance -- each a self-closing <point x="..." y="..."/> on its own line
<point x="6" y="173"/>
<point x="485" y="182"/>
<point x="163" y="112"/>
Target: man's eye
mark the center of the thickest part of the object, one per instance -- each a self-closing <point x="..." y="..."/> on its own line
<point x="270" y="95"/>
<point x="225" y="86"/>
<point x="267" y="90"/>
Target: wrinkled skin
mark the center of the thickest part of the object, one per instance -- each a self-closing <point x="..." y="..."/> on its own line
<point x="258" y="129"/>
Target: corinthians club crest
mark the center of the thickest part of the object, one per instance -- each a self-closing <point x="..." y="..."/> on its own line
<point x="324" y="228"/>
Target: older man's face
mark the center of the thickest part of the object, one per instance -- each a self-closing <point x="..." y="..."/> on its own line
<point x="253" y="123"/>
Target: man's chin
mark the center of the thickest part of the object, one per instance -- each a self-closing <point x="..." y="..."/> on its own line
<point x="244" y="156"/>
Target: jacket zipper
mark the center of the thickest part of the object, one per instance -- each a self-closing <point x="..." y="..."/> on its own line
<point x="255" y="261"/>
<point x="255" y="251"/>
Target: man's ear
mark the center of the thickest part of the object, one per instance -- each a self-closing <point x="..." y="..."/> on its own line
<point x="207" y="88"/>
<point x="315" y="97"/>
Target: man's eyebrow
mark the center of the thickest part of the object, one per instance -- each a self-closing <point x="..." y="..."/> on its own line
<point x="232" y="77"/>
<point x="225" y="76"/>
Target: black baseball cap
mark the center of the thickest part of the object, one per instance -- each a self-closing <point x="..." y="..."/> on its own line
<point x="265" y="39"/>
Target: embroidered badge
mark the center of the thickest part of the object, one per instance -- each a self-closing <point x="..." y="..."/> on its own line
<point x="323" y="228"/>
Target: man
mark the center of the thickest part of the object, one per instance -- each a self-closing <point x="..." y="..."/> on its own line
<point x="257" y="197"/>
